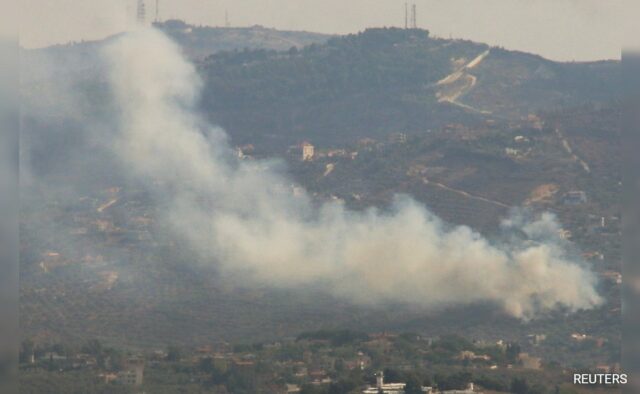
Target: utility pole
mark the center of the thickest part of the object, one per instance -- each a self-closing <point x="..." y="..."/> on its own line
<point x="141" y="13"/>
<point x="406" y="15"/>
<point x="414" y="21"/>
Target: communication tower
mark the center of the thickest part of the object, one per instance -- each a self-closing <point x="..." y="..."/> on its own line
<point x="414" y="19"/>
<point x="406" y="15"/>
<point x="141" y="13"/>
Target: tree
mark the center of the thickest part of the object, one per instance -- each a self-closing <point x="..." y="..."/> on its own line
<point x="173" y="353"/>
<point x="512" y="352"/>
<point x="491" y="383"/>
<point x="392" y="375"/>
<point x="310" y="389"/>
<point x="27" y="349"/>
<point x="206" y="365"/>
<point x="537" y="389"/>
<point x="218" y="375"/>
<point x="241" y="381"/>
<point x="457" y="381"/>
<point x="93" y="347"/>
<point x="413" y="385"/>
<point x="341" y="387"/>
<point x="519" y="386"/>
<point x="116" y="359"/>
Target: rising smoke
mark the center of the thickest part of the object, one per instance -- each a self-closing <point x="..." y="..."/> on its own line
<point x="241" y="215"/>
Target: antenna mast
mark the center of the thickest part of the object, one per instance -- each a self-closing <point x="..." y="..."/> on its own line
<point x="157" y="11"/>
<point x="406" y="15"/>
<point x="141" y="12"/>
<point x="414" y="22"/>
<point x="226" y="19"/>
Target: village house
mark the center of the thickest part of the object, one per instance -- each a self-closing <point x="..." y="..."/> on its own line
<point x="133" y="374"/>
<point x="530" y="362"/>
<point x="574" y="197"/>
<point x="308" y="151"/>
<point x="389" y="388"/>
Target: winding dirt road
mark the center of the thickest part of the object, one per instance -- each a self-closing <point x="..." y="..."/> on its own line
<point x="460" y="82"/>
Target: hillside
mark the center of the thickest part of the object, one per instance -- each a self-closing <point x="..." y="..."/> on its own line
<point x="382" y="81"/>
<point x="197" y="42"/>
<point x="512" y="83"/>
<point x="389" y="111"/>
<point x="277" y="88"/>
<point x="202" y="41"/>
<point x="370" y="84"/>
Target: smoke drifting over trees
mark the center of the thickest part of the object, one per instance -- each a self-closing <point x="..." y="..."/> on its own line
<point x="242" y="217"/>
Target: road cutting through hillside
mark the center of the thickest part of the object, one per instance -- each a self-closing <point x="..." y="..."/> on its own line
<point x="569" y="150"/>
<point x="467" y="81"/>
<point x="103" y="207"/>
<point x="464" y="194"/>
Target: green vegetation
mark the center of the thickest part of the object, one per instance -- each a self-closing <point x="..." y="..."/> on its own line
<point x="335" y="337"/>
<point x="368" y="84"/>
<point x="371" y="85"/>
<point x="201" y="41"/>
<point x="322" y="362"/>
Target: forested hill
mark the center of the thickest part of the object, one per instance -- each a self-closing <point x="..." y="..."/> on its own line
<point x="199" y="42"/>
<point x="275" y="88"/>
<point x="370" y="84"/>
<point x="387" y="80"/>
<point x="97" y="262"/>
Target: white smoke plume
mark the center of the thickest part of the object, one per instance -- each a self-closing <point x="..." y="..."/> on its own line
<point x="243" y="217"/>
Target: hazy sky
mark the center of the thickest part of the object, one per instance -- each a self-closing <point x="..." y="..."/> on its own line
<point x="558" y="29"/>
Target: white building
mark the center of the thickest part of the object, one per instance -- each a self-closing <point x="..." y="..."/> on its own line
<point x="389" y="388"/>
<point x="308" y="151"/>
